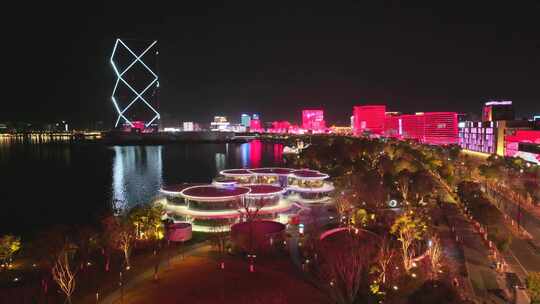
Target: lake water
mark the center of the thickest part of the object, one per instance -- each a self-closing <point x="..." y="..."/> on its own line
<point x="47" y="183"/>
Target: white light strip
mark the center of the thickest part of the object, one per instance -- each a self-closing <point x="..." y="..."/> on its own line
<point x="138" y="94"/>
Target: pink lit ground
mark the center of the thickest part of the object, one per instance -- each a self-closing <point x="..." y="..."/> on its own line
<point x="197" y="279"/>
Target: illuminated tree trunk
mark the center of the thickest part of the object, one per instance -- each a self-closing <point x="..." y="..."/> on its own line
<point x="64" y="276"/>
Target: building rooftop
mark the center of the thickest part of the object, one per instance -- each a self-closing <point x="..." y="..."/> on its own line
<point x="176" y="188"/>
<point x="304" y="173"/>
<point x="278" y="171"/>
<point x="264" y="189"/>
<point x="213" y="192"/>
<point x="237" y="172"/>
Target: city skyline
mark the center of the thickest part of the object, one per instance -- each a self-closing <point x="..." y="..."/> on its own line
<point x="233" y="59"/>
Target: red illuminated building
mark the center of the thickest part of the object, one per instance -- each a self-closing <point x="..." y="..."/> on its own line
<point x="280" y="127"/>
<point x="255" y="125"/>
<point x="524" y="144"/>
<point x="437" y="128"/>
<point x="313" y="120"/>
<point x="412" y="126"/>
<point x="369" y="118"/>
<point x="392" y="125"/>
<point x="440" y="128"/>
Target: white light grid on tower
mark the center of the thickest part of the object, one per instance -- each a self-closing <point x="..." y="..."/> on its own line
<point x="138" y="95"/>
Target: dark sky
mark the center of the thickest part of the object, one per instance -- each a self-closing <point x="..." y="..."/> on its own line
<point x="275" y="58"/>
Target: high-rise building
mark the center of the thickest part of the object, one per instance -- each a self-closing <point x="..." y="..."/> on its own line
<point x="369" y="118"/>
<point x="245" y="120"/>
<point x="440" y="128"/>
<point x="523" y="143"/>
<point x="412" y="126"/>
<point x="313" y="120"/>
<point x="498" y="110"/>
<point x="392" y="125"/>
<point x="220" y="123"/>
<point x="255" y="124"/>
<point x="135" y="92"/>
<point x="436" y="128"/>
<point x="489" y="135"/>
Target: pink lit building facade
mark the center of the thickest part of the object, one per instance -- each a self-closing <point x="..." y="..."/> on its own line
<point x="369" y="118"/>
<point x="280" y="127"/>
<point x="524" y="144"/>
<point x="437" y="128"/>
<point x="440" y="128"/>
<point x="255" y="125"/>
<point x="313" y="120"/>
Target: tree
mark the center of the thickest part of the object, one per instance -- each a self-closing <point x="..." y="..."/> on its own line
<point x="384" y="259"/>
<point x="63" y="273"/>
<point x="438" y="292"/>
<point x="408" y="229"/>
<point x="435" y="256"/>
<point x="403" y="183"/>
<point x="342" y="267"/>
<point x="86" y="240"/>
<point x="533" y="286"/>
<point x="121" y="235"/>
<point x="423" y="185"/>
<point x="147" y="221"/>
<point x="454" y="151"/>
<point x="249" y="208"/>
<point x="360" y="218"/>
<point x="220" y="238"/>
<point x="489" y="172"/>
<point x="344" y="205"/>
<point x="404" y="164"/>
<point x="9" y="245"/>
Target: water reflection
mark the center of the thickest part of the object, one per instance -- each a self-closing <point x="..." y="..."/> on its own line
<point x="220" y="161"/>
<point x="61" y="173"/>
<point x="255" y="150"/>
<point x="137" y="175"/>
<point x="251" y="154"/>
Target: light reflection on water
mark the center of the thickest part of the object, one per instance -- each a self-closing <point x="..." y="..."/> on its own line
<point x="48" y="182"/>
<point x="137" y="175"/>
<point x="138" y="172"/>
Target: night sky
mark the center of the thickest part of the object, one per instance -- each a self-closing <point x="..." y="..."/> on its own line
<point x="274" y="58"/>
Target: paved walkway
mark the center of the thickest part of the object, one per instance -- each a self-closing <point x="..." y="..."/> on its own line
<point x="116" y="296"/>
<point x="483" y="279"/>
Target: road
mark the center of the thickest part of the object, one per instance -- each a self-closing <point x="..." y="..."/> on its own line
<point x="483" y="278"/>
<point x="527" y="255"/>
<point x="530" y="222"/>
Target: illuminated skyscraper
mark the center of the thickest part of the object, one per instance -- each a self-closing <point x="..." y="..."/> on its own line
<point x="498" y="110"/>
<point x="245" y="120"/>
<point x="135" y="92"/>
<point x="369" y="118"/>
<point x="440" y="128"/>
<point x="255" y="124"/>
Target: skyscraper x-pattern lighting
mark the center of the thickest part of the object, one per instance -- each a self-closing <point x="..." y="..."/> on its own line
<point x="139" y="95"/>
